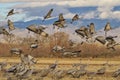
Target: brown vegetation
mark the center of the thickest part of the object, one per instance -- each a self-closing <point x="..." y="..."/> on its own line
<point x="46" y="45"/>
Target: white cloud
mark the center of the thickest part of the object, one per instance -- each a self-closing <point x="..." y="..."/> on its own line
<point x="32" y="18"/>
<point x="90" y="15"/>
<point x="37" y="9"/>
<point x="71" y="3"/>
<point x="107" y="12"/>
<point x="69" y="15"/>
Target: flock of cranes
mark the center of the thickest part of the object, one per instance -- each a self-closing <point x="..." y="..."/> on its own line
<point x="86" y="33"/>
<point x="24" y="69"/>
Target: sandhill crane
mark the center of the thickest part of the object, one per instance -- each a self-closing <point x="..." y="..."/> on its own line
<point x="15" y="68"/>
<point x="75" y="17"/>
<point x="61" y="18"/>
<point x="101" y="71"/>
<point x="87" y="33"/>
<point x="70" y="72"/>
<point x="11" y="12"/>
<point x="59" y="74"/>
<point x="81" y="71"/>
<point x="76" y="73"/>
<point x="26" y="59"/>
<point x="92" y="28"/>
<point x="101" y="39"/>
<point x="48" y="15"/>
<point x="107" y="28"/>
<point x="34" y="45"/>
<point x="26" y="74"/>
<point x="57" y="48"/>
<point x="71" y="53"/>
<point x="4" y="31"/>
<point x="53" y="66"/>
<point x="10" y="25"/>
<point x="116" y="73"/>
<point x="44" y="72"/>
<point x="3" y="65"/>
<point x="16" y="51"/>
<point x="60" y="22"/>
<point x="32" y="28"/>
<point x="109" y="41"/>
<point x="36" y="30"/>
<point x="80" y="31"/>
<point x="84" y="33"/>
<point x="20" y="71"/>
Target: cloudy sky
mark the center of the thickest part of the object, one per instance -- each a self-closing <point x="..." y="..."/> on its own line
<point x="32" y="11"/>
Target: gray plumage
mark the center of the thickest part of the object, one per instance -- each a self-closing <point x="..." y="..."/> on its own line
<point x="36" y="30"/>
<point x="27" y="60"/>
<point x="11" y="25"/>
<point x="92" y="28"/>
<point x="71" y="53"/>
<point x="116" y="73"/>
<point x="101" y="71"/>
<point x="2" y="65"/>
<point x="76" y="73"/>
<point x="60" y="23"/>
<point x="58" y="49"/>
<point x="11" y="12"/>
<point x="81" y="31"/>
<point x="44" y="72"/>
<point x="48" y="15"/>
<point x="59" y="74"/>
<point x="4" y="31"/>
<point x="16" y="51"/>
<point x="53" y="66"/>
<point x="27" y="74"/>
<point x="107" y="28"/>
<point x="75" y="18"/>
<point x="101" y="39"/>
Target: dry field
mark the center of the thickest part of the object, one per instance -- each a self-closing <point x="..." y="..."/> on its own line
<point x="66" y="63"/>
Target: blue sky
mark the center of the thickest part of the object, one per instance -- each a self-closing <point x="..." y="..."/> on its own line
<point x="32" y="11"/>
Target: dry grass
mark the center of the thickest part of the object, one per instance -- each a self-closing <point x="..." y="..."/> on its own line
<point x="93" y="50"/>
<point x="66" y="63"/>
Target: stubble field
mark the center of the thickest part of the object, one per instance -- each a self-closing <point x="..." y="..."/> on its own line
<point x="66" y="63"/>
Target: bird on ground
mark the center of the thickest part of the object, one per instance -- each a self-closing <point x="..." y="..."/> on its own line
<point x="34" y="45"/>
<point x="116" y="73"/>
<point x="53" y="66"/>
<point x="16" y="51"/>
<point x="101" y="71"/>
